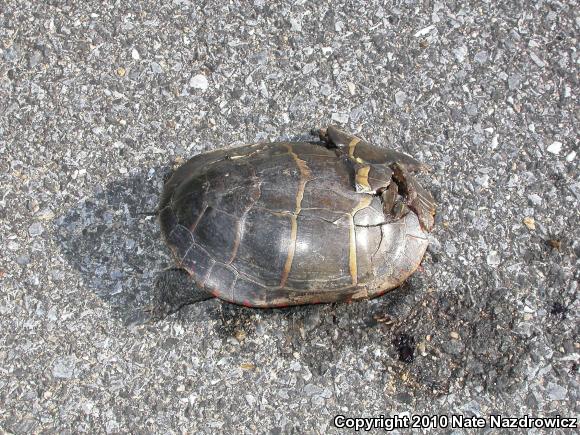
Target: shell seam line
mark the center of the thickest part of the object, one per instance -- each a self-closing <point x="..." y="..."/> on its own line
<point x="305" y="176"/>
<point x="352" y="261"/>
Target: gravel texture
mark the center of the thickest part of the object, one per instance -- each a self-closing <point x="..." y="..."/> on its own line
<point x="99" y="100"/>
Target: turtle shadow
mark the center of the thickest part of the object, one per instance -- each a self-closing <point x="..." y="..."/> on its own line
<point x="112" y="239"/>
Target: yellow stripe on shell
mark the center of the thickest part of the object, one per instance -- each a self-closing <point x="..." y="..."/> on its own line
<point x="362" y="179"/>
<point x="305" y="176"/>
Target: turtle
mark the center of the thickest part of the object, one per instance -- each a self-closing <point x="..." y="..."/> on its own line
<point x="279" y="224"/>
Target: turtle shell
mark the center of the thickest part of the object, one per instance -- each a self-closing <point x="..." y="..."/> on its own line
<point x="279" y="224"/>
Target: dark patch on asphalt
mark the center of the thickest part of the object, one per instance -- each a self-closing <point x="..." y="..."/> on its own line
<point x="405" y="345"/>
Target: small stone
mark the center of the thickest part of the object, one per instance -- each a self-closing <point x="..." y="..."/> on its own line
<point x="454" y="335"/>
<point x="11" y="54"/>
<point x="295" y="25"/>
<point x="493" y="259"/>
<point x="483" y="181"/>
<point x="471" y="109"/>
<point x="240" y="335"/>
<point x="36" y="229"/>
<point x="32" y="205"/>
<point x="325" y="90"/>
<point x="400" y="98"/>
<point x="450" y="248"/>
<point x="555" y="148"/>
<point x="295" y="366"/>
<point x="247" y="366"/>
<point x="556" y="392"/>
<point x="199" y="82"/>
<point x="481" y="57"/>
<point x="530" y="223"/>
<point x="421" y="349"/>
<point x="135" y="54"/>
<point x="308" y="68"/>
<point x="514" y="81"/>
<point x="116" y="274"/>
<point x="460" y="53"/>
<point x="64" y="368"/>
<point x="341" y="118"/>
<point x="494" y="142"/>
<point x="351" y="88"/>
<point x="537" y="60"/>
<point x="535" y="199"/>
<point x="312" y="390"/>
<point x="23" y="260"/>
<point x="453" y="347"/>
<point x="250" y="399"/>
<point x="45" y="214"/>
<point x="424" y="31"/>
<point x="121" y="71"/>
<point x="156" y="68"/>
<point x="34" y="58"/>
<point x="232" y="341"/>
<point x="111" y="426"/>
<point x="571" y="156"/>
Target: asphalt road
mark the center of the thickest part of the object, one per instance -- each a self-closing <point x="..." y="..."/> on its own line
<point x="100" y="100"/>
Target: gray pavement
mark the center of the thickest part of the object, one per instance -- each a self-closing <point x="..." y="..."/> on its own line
<point x="100" y="100"/>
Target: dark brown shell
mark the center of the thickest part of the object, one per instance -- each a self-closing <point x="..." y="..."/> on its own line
<point x="281" y="224"/>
